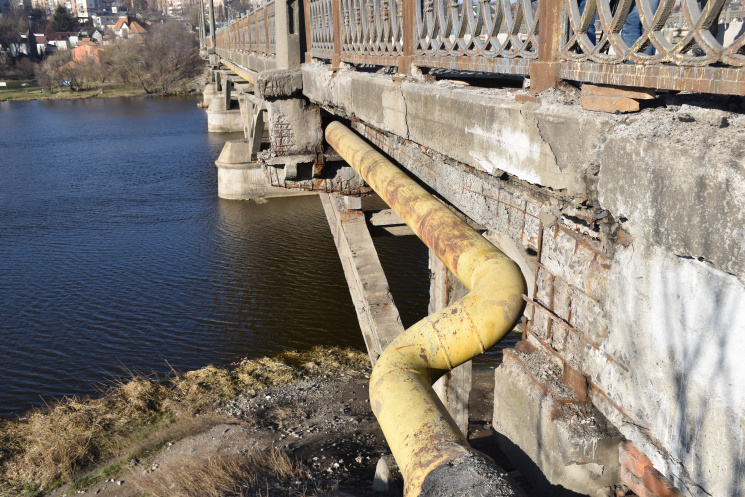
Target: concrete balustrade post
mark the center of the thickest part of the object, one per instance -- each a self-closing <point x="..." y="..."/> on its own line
<point x="287" y="32"/>
<point x="212" y="24"/>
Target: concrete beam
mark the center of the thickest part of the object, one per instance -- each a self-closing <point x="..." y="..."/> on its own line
<point x="385" y="217"/>
<point x="287" y="33"/>
<point x="489" y="131"/>
<point x="377" y="313"/>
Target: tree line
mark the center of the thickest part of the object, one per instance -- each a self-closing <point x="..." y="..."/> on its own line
<point x="162" y="61"/>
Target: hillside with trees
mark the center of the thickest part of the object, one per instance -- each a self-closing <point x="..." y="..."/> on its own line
<point x="163" y="61"/>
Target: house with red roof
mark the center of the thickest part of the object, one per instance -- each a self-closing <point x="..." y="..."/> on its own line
<point x="86" y="50"/>
<point x="129" y="26"/>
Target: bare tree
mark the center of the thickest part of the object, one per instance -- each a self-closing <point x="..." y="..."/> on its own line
<point x="172" y="56"/>
<point x="127" y="62"/>
<point x="49" y="73"/>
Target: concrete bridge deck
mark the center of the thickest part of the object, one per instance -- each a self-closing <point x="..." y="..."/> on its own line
<point x="628" y="228"/>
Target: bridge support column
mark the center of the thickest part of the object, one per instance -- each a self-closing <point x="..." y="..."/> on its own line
<point x="223" y="114"/>
<point x="454" y="388"/>
<point x="210" y="90"/>
<point x="241" y="177"/>
<point x="294" y="124"/>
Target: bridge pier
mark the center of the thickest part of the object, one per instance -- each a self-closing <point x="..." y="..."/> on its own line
<point x="223" y="112"/>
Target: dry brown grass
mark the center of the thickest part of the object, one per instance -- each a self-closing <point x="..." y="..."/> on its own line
<point x="213" y="474"/>
<point x="60" y="442"/>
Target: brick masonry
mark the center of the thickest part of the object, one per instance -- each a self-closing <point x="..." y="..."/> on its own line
<point x="640" y="476"/>
<point x="282" y="136"/>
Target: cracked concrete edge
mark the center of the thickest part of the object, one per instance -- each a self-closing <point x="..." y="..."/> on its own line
<point x="474" y="127"/>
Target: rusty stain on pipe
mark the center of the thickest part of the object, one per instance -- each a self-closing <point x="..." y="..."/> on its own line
<point x="418" y="428"/>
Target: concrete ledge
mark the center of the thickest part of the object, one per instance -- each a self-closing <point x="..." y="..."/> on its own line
<point x="686" y="193"/>
<point x="679" y="185"/>
<point x="572" y="444"/>
<point x="279" y="83"/>
<point x="487" y="130"/>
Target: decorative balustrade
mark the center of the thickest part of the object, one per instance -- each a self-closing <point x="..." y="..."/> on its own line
<point x="669" y="44"/>
<point x="254" y="33"/>
<point x="635" y="48"/>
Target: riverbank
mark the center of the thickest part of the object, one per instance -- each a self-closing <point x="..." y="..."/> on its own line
<point x="298" y="424"/>
<point x="137" y="426"/>
<point x="16" y="92"/>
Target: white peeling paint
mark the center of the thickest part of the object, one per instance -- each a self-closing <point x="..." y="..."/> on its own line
<point x="508" y="150"/>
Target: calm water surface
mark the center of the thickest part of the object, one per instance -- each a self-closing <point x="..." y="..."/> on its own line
<point x="115" y="252"/>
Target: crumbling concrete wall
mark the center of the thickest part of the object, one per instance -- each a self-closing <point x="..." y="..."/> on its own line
<point x="631" y="234"/>
<point x="294" y="124"/>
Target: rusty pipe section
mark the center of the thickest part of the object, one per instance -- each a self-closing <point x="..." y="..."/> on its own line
<point x="424" y="439"/>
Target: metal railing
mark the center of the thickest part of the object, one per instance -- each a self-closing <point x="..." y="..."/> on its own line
<point x="678" y="45"/>
<point x="254" y="33"/>
<point x="505" y="36"/>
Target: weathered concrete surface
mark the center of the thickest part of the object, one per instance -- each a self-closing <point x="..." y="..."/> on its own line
<point x="685" y="193"/>
<point x="208" y="94"/>
<point x="287" y="33"/>
<point x="377" y="314"/>
<point x="221" y="116"/>
<point x="484" y="129"/>
<point x="240" y="178"/>
<point x="250" y="61"/>
<point x="656" y="332"/>
<point x="279" y="83"/>
<point x="572" y="444"/>
<point x="677" y="332"/>
<point x="294" y="126"/>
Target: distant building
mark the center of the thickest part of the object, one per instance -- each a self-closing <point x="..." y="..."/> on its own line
<point x="129" y="26"/>
<point x="86" y="50"/>
<point x="62" y="41"/>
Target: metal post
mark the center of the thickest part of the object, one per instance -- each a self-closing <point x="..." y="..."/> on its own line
<point x="336" y="13"/>
<point x="266" y="31"/>
<point x="251" y="18"/>
<point x="544" y="73"/>
<point x="409" y="21"/>
<point x="308" y="34"/>
<point x="202" y="31"/>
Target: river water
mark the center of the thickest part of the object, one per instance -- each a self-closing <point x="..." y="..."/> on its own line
<point x="116" y="253"/>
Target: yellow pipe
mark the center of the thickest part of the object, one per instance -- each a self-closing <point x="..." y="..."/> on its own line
<point x="418" y="428"/>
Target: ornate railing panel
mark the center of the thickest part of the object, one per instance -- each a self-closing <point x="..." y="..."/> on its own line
<point x="698" y="47"/>
<point x="654" y="43"/>
<point x="372" y="31"/>
<point x="482" y="35"/>
<point x="322" y="28"/>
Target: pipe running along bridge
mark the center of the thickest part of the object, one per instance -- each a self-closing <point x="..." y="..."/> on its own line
<point x="582" y="185"/>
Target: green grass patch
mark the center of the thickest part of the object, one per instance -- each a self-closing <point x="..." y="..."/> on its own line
<point x="32" y="91"/>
